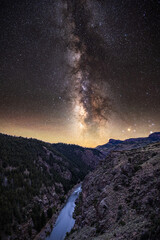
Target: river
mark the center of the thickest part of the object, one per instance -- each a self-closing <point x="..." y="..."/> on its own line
<point x="65" y="221"/>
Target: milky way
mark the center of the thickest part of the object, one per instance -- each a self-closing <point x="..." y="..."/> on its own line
<point x="92" y="103"/>
<point x="79" y="71"/>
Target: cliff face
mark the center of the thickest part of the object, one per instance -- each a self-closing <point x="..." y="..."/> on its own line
<point x="121" y="198"/>
<point x="34" y="180"/>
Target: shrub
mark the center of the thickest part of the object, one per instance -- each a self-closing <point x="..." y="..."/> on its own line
<point x="115" y="188"/>
<point x="137" y="168"/>
<point x="122" y="223"/>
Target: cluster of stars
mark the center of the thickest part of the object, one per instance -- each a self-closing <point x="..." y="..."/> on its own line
<point x="80" y="66"/>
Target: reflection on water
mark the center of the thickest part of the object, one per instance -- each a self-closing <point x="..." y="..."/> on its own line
<point x="65" y="221"/>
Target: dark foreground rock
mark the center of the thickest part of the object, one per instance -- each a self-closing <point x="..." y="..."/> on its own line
<point x="121" y="198"/>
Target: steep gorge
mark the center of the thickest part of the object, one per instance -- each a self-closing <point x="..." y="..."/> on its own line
<point x="34" y="181"/>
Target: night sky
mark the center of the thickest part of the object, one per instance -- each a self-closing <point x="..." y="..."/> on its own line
<point x="79" y="71"/>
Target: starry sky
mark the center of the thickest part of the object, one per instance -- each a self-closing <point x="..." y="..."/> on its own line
<point x="79" y="71"/>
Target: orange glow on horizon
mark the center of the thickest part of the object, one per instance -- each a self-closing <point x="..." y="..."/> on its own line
<point x="74" y="135"/>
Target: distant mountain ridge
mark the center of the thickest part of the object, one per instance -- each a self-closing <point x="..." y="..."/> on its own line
<point x="128" y="144"/>
<point x="90" y="156"/>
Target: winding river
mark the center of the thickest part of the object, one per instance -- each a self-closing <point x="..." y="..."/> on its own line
<point x="65" y="221"/>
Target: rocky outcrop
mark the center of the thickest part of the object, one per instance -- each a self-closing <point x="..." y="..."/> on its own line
<point x="121" y="198"/>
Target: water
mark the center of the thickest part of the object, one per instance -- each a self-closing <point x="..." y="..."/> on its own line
<point x="65" y="221"/>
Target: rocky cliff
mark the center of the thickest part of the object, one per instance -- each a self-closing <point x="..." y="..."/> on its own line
<point x="121" y="198"/>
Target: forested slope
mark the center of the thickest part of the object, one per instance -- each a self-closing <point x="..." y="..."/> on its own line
<point x="34" y="180"/>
